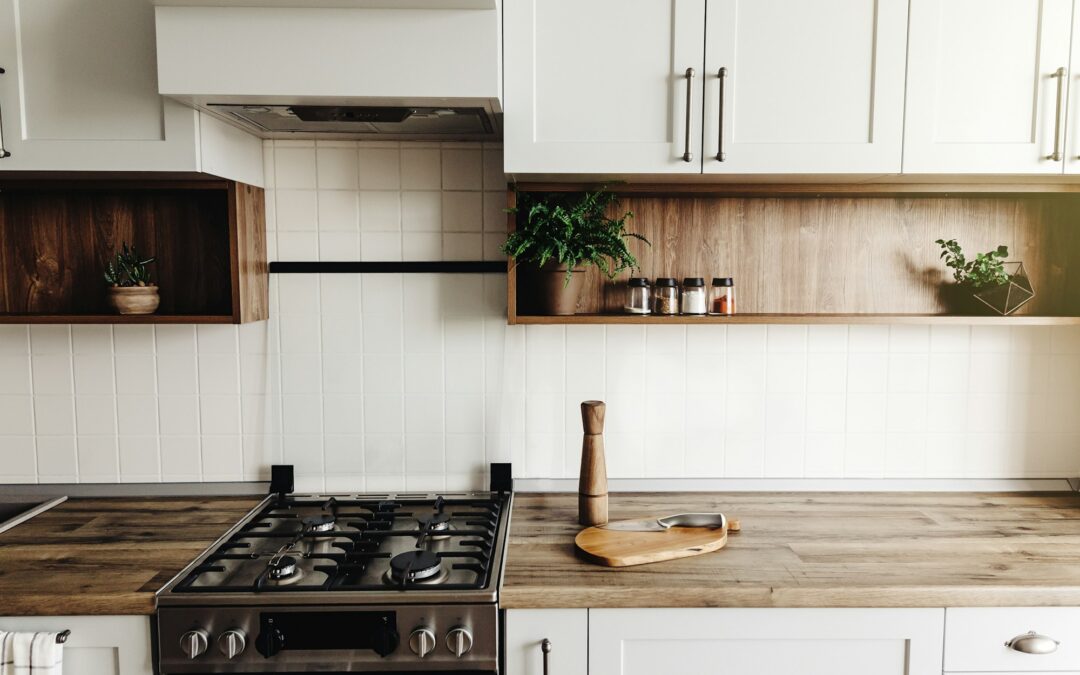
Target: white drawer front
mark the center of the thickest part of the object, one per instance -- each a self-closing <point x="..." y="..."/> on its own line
<point x="975" y="639"/>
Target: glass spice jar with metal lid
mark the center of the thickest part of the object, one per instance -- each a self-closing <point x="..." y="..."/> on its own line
<point x="638" y="298"/>
<point x="694" y="300"/>
<point x="666" y="296"/>
<point x="722" y="296"/>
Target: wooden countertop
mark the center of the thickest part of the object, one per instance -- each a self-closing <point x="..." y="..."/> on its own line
<point x="107" y="556"/>
<point x="883" y="549"/>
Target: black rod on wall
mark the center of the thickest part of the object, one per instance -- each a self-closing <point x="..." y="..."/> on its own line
<point x="424" y="267"/>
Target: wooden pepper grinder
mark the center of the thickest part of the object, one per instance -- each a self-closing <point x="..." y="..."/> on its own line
<point x="592" y="486"/>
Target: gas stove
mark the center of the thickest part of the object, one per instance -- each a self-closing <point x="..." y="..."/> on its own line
<point x="392" y="583"/>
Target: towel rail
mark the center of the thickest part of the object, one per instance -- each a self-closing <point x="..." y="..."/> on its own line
<point x="62" y="636"/>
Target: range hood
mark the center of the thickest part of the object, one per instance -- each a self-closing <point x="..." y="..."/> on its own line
<point x="393" y="74"/>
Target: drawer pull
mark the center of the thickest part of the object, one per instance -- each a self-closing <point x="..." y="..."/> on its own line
<point x="545" y="647"/>
<point x="1033" y="643"/>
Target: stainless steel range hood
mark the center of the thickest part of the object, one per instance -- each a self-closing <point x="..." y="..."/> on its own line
<point x="458" y="120"/>
<point x="394" y="74"/>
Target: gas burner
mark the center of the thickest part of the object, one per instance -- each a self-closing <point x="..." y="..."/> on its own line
<point x="322" y="523"/>
<point x="432" y="525"/>
<point x="415" y="567"/>
<point x="283" y="569"/>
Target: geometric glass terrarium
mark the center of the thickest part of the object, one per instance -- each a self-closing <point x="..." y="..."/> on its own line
<point x="1011" y="295"/>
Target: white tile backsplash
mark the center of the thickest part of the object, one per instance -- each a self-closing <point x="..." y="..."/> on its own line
<point x="389" y="381"/>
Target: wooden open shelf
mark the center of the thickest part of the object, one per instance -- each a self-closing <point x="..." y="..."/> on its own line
<point x="939" y="319"/>
<point x="832" y="255"/>
<point x="56" y="233"/>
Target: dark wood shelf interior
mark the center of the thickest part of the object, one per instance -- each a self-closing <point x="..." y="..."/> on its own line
<point x="56" y="236"/>
<point x="833" y="258"/>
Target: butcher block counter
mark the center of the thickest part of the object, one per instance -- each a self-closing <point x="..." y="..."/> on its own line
<point x="882" y="549"/>
<point x="107" y="556"/>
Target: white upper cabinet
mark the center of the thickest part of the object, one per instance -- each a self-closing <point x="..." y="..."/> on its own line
<point x="1072" y="123"/>
<point x="815" y="86"/>
<point x="80" y="89"/>
<point x="602" y="86"/>
<point x="79" y="93"/>
<point x="983" y="86"/>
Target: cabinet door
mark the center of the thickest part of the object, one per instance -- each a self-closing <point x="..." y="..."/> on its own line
<point x="601" y="86"/>
<point x="80" y="89"/>
<point x="765" y="641"/>
<point x="1072" y="121"/>
<point x="981" y="86"/>
<point x="815" y="86"/>
<point x="567" y="630"/>
<point x="98" y="645"/>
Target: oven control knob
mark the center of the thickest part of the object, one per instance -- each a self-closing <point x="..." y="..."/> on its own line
<point x="459" y="640"/>
<point x="232" y="643"/>
<point x="422" y="641"/>
<point x="194" y="643"/>
<point x="270" y="642"/>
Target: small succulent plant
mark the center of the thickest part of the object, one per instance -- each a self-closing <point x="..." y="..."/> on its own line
<point x="128" y="268"/>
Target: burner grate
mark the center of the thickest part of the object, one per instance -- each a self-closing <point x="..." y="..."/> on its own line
<point x="346" y="544"/>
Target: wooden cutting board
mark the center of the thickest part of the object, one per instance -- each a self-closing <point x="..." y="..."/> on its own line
<point x="619" y="548"/>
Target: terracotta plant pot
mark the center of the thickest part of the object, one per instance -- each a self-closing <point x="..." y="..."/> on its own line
<point x="556" y="297"/>
<point x="134" y="299"/>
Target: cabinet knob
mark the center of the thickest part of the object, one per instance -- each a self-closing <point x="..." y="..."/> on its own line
<point x="1033" y="643"/>
<point x="422" y="642"/>
<point x="194" y="643"/>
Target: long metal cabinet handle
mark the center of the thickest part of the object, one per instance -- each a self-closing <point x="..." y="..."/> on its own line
<point x="720" y="154"/>
<point x="545" y="646"/>
<point x="1060" y="75"/>
<point x="3" y="151"/>
<point x="687" y="155"/>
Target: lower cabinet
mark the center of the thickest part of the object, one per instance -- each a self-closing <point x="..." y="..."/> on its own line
<point x="1029" y="640"/>
<point x="766" y="641"/>
<point x="742" y="641"/>
<point x="98" y="645"/>
<point x="547" y="641"/>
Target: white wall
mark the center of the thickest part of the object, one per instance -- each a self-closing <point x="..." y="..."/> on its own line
<point x="389" y="381"/>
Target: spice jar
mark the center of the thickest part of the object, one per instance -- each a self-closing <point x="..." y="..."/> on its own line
<point x="666" y="296"/>
<point x="694" y="300"/>
<point x="637" y="296"/>
<point x="722" y="297"/>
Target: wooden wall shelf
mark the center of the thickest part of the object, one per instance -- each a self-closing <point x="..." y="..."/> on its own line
<point x="933" y="319"/>
<point x="208" y="235"/>
<point x="838" y="257"/>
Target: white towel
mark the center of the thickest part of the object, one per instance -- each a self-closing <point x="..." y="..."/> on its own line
<point x="30" y="654"/>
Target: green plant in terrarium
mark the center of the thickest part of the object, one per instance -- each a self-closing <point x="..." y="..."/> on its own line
<point x="573" y="230"/>
<point x="987" y="269"/>
<point x="128" y="268"/>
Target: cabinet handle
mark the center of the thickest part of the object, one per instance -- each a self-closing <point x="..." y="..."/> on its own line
<point x="1060" y="75"/>
<point x="1033" y="643"/>
<point x="687" y="155"/>
<point x="720" y="154"/>
<point x="3" y="151"/>
<point x="545" y="646"/>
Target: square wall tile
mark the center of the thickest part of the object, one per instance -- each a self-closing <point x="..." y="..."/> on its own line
<point x="462" y="168"/>
<point x="337" y="168"/>
<point x="421" y="168"/>
<point x="380" y="168"/>
<point x="338" y="211"/>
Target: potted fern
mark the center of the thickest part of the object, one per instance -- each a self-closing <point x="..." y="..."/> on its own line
<point x="559" y="234"/>
<point x="987" y="281"/>
<point x="130" y="289"/>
